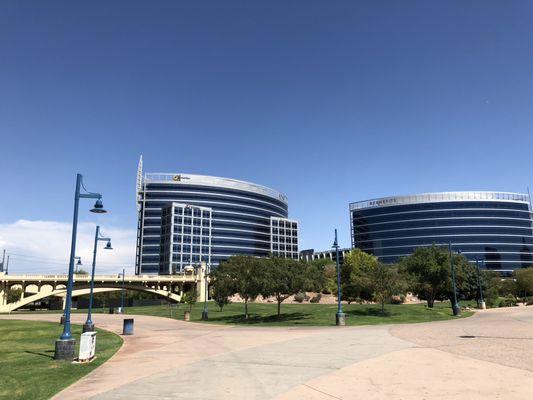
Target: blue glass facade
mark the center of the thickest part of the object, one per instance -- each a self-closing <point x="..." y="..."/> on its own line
<point x="494" y="227"/>
<point x="241" y="215"/>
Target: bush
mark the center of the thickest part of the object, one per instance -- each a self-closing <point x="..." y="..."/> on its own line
<point x="300" y="297"/>
<point x="528" y="300"/>
<point x="508" y="301"/>
<point x="397" y="299"/>
<point x="316" y="299"/>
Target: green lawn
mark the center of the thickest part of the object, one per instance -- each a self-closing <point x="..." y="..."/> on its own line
<point x="306" y="314"/>
<point x="27" y="367"/>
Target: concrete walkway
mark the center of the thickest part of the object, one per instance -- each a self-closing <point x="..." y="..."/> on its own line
<point x="488" y="356"/>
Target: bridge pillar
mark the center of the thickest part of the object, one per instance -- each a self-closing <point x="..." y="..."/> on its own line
<point x="3" y="294"/>
<point x="200" y="285"/>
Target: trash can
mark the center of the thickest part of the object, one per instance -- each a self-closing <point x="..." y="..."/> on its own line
<point x="111" y="310"/>
<point x="127" y="327"/>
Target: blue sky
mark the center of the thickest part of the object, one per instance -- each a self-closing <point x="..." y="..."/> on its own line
<point x="328" y="102"/>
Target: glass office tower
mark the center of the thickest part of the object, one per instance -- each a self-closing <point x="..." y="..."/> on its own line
<point x="494" y="227"/>
<point x="239" y="214"/>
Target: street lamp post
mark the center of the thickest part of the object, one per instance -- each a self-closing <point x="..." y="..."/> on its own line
<point x="340" y="317"/>
<point x="481" y="302"/>
<point x="65" y="345"/>
<point x="89" y="325"/>
<point x="122" y="292"/>
<point x="455" y="306"/>
<point x="205" y="312"/>
<point x="78" y="264"/>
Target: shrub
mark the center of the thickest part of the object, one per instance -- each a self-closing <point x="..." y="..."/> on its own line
<point x="316" y="299"/>
<point x="300" y="297"/>
<point x="397" y="299"/>
<point x="508" y="301"/>
<point x="528" y="300"/>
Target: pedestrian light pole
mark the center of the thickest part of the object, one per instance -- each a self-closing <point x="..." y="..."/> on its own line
<point x="89" y="325"/>
<point x="340" y="317"/>
<point x="66" y="344"/>
<point x="122" y="292"/>
<point x="455" y="306"/>
<point x="481" y="302"/>
<point x="205" y="312"/>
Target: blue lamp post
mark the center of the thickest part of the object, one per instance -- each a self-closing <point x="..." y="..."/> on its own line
<point x="65" y="345"/>
<point x="78" y="265"/>
<point x="340" y="317"/>
<point x="89" y="325"/>
<point x="455" y="306"/>
<point x="122" y="292"/>
<point x="481" y="302"/>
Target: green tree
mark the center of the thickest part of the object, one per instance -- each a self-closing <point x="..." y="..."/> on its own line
<point x="222" y="287"/>
<point x="190" y="297"/>
<point x="385" y="282"/>
<point x="81" y="272"/>
<point x="524" y="281"/>
<point x="13" y="295"/>
<point x="282" y="278"/>
<point x="355" y="275"/>
<point x="246" y="275"/>
<point x="428" y="273"/>
<point x="466" y="278"/>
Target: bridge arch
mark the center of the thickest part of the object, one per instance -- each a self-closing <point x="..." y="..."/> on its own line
<point x="80" y="290"/>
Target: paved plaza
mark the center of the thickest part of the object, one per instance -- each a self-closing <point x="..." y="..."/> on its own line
<point x="487" y="356"/>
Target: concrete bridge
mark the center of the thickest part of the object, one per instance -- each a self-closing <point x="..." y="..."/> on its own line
<point x="37" y="287"/>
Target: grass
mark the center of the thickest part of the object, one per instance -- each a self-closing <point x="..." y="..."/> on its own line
<point x="305" y="314"/>
<point x="27" y="367"/>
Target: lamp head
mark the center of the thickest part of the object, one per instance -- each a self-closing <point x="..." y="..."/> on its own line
<point x="108" y="246"/>
<point x="98" y="207"/>
<point x="79" y="262"/>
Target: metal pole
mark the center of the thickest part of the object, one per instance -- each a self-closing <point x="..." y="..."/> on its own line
<point x="7" y="266"/>
<point x="65" y="346"/>
<point x="89" y="326"/>
<point x="205" y="313"/>
<point x="3" y="260"/>
<point x="481" y="301"/>
<point x="455" y="306"/>
<point x="122" y="293"/>
<point x="66" y="328"/>
<point x="340" y="316"/>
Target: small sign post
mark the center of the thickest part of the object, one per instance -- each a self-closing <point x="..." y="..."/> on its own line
<point x="87" y="347"/>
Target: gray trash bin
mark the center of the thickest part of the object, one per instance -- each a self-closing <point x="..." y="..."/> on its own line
<point x="127" y="327"/>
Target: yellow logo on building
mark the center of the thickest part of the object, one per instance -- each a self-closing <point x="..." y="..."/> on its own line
<point x="176" y="178"/>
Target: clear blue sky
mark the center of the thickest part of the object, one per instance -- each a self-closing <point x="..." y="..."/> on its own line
<point x="329" y="102"/>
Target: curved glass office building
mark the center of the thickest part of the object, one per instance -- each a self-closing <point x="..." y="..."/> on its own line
<point x="186" y="219"/>
<point x="495" y="227"/>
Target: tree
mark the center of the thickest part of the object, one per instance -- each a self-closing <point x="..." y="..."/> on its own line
<point x="190" y="298"/>
<point x="355" y="275"/>
<point x="428" y="273"/>
<point x="315" y="276"/>
<point x="81" y="272"/>
<point x="385" y="282"/>
<point x="13" y="295"/>
<point x="246" y="276"/>
<point x="222" y="287"/>
<point x="282" y="278"/>
<point x="466" y="278"/>
<point x="524" y="281"/>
